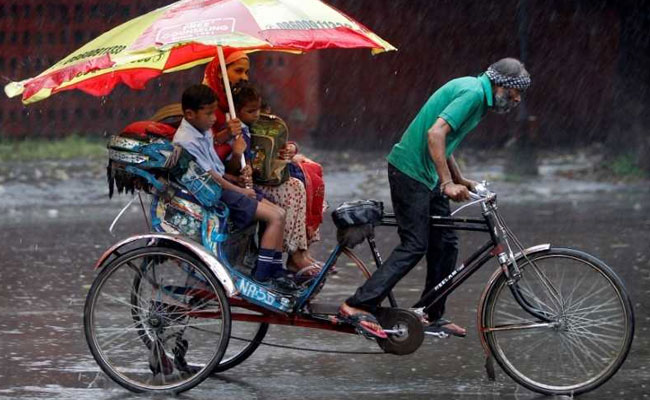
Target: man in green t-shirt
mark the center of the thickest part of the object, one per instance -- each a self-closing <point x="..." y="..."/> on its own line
<point x="423" y="176"/>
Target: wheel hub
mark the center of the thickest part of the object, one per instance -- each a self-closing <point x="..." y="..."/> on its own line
<point x="155" y="321"/>
<point x="399" y="331"/>
<point x="406" y="332"/>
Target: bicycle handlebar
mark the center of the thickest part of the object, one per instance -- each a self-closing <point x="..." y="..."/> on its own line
<point x="480" y="195"/>
<point x="480" y="191"/>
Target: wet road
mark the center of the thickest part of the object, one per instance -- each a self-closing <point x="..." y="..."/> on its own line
<point x="48" y="247"/>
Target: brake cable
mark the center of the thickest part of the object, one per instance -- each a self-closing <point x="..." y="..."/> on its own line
<point x="309" y="349"/>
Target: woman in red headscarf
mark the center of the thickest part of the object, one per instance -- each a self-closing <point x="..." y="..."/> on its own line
<point x="237" y="67"/>
<point x="290" y="195"/>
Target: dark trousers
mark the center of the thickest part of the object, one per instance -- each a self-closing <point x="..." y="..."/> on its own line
<point x="413" y="203"/>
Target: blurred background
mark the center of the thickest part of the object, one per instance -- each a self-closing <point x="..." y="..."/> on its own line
<point x="589" y="59"/>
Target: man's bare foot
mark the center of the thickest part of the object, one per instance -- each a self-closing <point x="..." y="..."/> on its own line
<point x="446" y="326"/>
<point x="362" y="319"/>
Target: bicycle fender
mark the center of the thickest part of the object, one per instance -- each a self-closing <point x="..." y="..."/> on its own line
<point x="191" y="246"/>
<point x="531" y="250"/>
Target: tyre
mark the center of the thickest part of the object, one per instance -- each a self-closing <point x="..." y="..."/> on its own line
<point x="590" y="327"/>
<point x="245" y="338"/>
<point x="157" y="320"/>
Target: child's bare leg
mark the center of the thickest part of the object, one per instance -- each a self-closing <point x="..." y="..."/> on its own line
<point x="269" y="258"/>
<point x="274" y="217"/>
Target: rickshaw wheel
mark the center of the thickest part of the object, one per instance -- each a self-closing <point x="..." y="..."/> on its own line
<point x="410" y="335"/>
<point x="251" y="334"/>
<point x="157" y="320"/>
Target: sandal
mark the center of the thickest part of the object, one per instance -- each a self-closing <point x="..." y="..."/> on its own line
<point x="307" y="273"/>
<point x="332" y="270"/>
<point x="446" y="326"/>
<point x="362" y="322"/>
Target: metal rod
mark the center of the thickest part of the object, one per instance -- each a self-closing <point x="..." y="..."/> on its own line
<point x="144" y="212"/>
<point x="226" y="85"/>
<point x="119" y="215"/>
<point x="514" y="327"/>
<point x="378" y="263"/>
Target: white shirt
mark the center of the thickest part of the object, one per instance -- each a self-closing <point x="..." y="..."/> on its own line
<point x="200" y="145"/>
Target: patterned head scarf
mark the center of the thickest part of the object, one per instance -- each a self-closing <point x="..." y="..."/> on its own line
<point x="212" y="79"/>
<point x="211" y="76"/>
<point x="521" y="82"/>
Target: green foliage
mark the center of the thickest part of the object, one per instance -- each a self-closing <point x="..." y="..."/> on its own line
<point x="626" y="166"/>
<point x="70" y="147"/>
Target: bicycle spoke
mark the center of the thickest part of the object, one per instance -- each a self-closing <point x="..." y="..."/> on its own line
<point x="575" y="359"/>
<point x="586" y="352"/>
<point x="123" y="302"/>
<point x="123" y="344"/>
<point x="121" y="331"/>
<point x="593" y="293"/>
<point x="555" y="294"/>
<point x="591" y="309"/>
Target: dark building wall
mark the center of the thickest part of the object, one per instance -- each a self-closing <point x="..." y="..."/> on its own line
<point x="290" y="85"/>
<point x="34" y="34"/>
<point x="631" y="101"/>
<point x="580" y="54"/>
<point x="573" y="52"/>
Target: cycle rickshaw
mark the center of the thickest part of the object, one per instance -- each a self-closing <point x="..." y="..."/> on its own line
<point x="159" y="315"/>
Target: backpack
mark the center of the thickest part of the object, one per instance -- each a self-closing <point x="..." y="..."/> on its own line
<point x="268" y="135"/>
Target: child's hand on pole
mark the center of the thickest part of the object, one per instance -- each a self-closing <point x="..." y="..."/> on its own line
<point x="233" y="125"/>
<point x="239" y="145"/>
<point x="246" y="176"/>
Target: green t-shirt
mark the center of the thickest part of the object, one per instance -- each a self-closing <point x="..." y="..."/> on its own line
<point x="462" y="103"/>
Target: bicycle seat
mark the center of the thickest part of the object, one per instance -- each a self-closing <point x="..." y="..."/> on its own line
<point x="354" y="235"/>
<point x="359" y="212"/>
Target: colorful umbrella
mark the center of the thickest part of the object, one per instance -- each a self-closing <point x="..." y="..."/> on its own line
<point x="190" y="32"/>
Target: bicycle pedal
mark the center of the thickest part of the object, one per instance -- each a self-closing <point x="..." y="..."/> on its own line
<point x="365" y="334"/>
<point x="439" y="335"/>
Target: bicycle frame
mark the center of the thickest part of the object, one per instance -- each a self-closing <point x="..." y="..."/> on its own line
<point x="292" y="306"/>
<point x="468" y="267"/>
<point x="491" y="248"/>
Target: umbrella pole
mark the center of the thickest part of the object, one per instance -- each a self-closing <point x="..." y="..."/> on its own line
<point x="226" y="85"/>
<point x="226" y="82"/>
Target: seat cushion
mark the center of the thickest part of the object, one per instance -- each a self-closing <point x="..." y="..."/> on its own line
<point x="144" y="129"/>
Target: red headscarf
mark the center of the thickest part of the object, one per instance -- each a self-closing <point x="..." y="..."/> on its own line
<point x="212" y="79"/>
